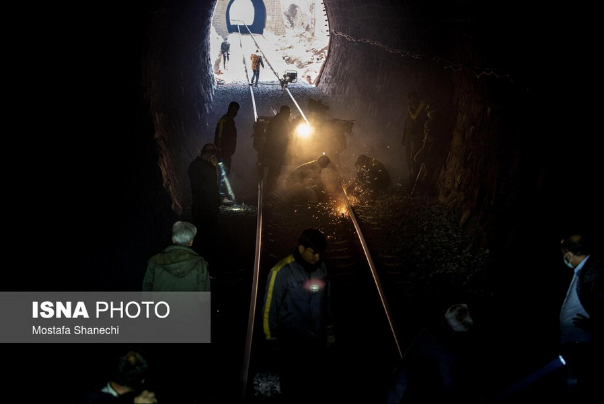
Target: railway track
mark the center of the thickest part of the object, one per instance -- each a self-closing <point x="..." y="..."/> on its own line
<point x="367" y="346"/>
<point x="381" y="297"/>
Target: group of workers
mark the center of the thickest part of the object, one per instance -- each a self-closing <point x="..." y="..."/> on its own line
<point x="297" y="311"/>
<point x="305" y="182"/>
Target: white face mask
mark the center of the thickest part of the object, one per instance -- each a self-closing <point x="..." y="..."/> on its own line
<point x="567" y="262"/>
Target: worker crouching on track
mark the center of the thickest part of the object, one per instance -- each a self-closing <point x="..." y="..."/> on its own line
<point x="297" y="318"/>
<point x="372" y="177"/>
<point x="304" y="183"/>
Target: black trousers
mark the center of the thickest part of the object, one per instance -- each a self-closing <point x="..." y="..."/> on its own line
<point x="302" y="369"/>
<point x="584" y="371"/>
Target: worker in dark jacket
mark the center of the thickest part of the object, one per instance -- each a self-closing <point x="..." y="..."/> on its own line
<point x="205" y="196"/>
<point x="225" y="48"/>
<point x="297" y="316"/>
<point x="178" y="267"/>
<point x="225" y="140"/>
<point x="278" y="138"/>
<point x="582" y="317"/>
<point x="372" y="177"/>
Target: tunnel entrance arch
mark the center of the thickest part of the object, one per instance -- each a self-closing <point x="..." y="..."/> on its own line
<point x="234" y="24"/>
<point x="227" y="17"/>
<point x="293" y="35"/>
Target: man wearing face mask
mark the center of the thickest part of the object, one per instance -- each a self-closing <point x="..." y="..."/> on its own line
<point x="582" y="318"/>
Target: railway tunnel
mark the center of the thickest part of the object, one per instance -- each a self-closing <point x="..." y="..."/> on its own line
<point x="485" y="66"/>
<point x="513" y="178"/>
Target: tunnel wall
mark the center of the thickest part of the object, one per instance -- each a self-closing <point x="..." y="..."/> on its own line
<point x="438" y="49"/>
<point x="179" y="83"/>
<point x="476" y="62"/>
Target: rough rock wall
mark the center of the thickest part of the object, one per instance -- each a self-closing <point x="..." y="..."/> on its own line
<point x="489" y="170"/>
<point x="444" y="51"/>
<point x="455" y="53"/>
<point x="179" y="86"/>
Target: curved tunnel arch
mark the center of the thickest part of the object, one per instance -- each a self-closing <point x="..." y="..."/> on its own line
<point x="296" y="38"/>
<point x="259" y="20"/>
<point x="496" y="166"/>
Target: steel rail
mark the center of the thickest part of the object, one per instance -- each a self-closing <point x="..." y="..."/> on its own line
<point x="271" y="66"/>
<point x="376" y="279"/>
<point x="259" y="48"/>
<point x="247" y="76"/>
<point x="252" y="313"/>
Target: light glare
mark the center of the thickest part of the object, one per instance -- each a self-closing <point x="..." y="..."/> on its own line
<point x="304" y="130"/>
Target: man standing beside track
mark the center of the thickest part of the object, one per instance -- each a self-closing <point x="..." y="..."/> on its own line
<point x="225" y="140"/>
<point x="225" y="48"/>
<point x="178" y="268"/>
<point x="297" y="316"/>
<point x="256" y="63"/>
<point x="582" y="317"/>
<point x="278" y="137"/>
<point x="205" y="200"/>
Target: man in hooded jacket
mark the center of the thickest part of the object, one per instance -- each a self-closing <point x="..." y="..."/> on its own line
<point x="178" y="267"/>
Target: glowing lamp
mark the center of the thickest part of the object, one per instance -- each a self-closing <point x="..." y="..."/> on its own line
<point x="303" y="130"/>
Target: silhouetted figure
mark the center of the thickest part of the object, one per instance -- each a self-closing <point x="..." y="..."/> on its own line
<point x="371" y="178"/>
<point x="430" y="156"/>
<point x="582" y="319"/>
<point x="297" y="317"/>
<point x="329" y="135"/>
<point x="225" y="140"/>
<point x="304" y="183"/>
<point x="257" y="61"/>
<point x="225" y="48"/>
<point x="438" y="366"/>
<point x="205" y="196"/>
<point x="413" y="132"/>
<point x="278" y="138"/>
<point x="126" y="384"/>
<point x="178" y="267"/>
